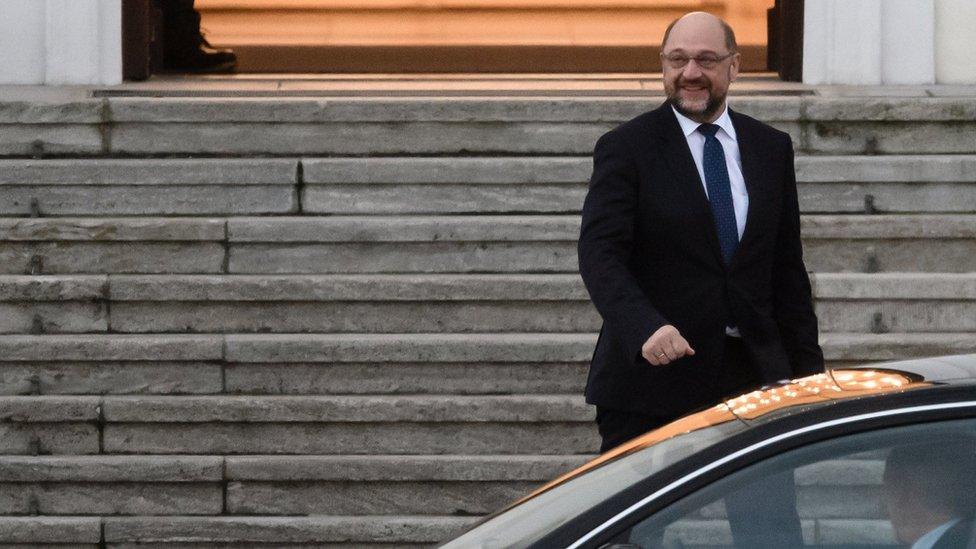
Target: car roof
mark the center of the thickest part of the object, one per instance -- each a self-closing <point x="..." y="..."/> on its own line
<point x="941" y="369"/>
<point x="883" y="385"/>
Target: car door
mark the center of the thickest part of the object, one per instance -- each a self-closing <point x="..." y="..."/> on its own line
<point x="855" y="488"/>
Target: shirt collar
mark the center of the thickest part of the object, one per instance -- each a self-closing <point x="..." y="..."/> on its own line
<point x="930" y="539"/>
<point x="688" y="126"/>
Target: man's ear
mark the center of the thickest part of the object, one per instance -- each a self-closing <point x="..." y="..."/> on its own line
<point x="734" y="67"/>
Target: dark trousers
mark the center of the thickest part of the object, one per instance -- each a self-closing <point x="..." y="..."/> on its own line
<point x="756" y="511"/>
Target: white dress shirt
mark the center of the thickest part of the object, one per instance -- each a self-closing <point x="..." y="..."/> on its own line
<point x="733" y="162"/>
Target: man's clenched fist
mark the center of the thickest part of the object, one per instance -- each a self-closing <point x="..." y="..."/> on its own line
<point x="665" y="346"/>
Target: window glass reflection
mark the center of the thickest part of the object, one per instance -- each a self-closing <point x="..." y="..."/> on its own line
<point x="912" y="487"/>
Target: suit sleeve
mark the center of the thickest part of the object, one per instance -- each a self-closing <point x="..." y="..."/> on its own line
<point x="606" y="245"/>
<point x="792" y="296"/>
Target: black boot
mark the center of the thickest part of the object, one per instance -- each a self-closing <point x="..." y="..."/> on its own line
<point x="184" y="47"/>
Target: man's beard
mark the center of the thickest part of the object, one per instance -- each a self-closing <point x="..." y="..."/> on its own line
<point x="712" y="105"/>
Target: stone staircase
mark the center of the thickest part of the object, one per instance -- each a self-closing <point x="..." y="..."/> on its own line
<point x="357" y="321"/>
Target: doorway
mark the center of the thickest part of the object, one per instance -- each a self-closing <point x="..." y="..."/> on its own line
<point x="479" y="36"/>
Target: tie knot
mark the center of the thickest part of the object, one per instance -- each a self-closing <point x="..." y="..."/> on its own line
<point x="708" y="129"/>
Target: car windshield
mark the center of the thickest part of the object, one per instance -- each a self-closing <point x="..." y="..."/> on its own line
<point x="529" y="519"/>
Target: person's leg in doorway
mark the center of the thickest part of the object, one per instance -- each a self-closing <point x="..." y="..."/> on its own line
<point x="184" y="47"/>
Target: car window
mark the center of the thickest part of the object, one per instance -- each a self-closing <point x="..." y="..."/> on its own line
<point x="558" y="503"/>
<point x="885" y="488"/>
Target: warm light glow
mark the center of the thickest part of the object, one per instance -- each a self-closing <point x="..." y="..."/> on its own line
<point x="817" y="388"/>
<point x="465" y="22"/>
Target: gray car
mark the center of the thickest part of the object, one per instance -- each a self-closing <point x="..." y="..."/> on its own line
<point x="860" y="457"/>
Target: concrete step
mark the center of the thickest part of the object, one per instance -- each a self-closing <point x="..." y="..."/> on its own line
<point x="53" y="304"/>
<point x="886" y="184"/>
<point x="523" y="424"/>
<point x="337" y="485"/>
<point x="414" y="425"/>
<point x="415" y="185"/>
<point x="896" y="302"/>
<point x="398" y="531"/>
<point x="548" y="244"/>
<point x="309" y="364"/>
<point x="111" y="485"/>
<point x="81" y="532"/>
<point x="827" y="184"/>
<point x="352" y="303"/>
<point x="452" y="125"/>
<point x="148" y="187"/>
<point x="846" y="302"/>
<point x="252" y="245"/>
<point x="226" y="532"/>
<point x="324" y="409"/>
<point x="135" y="245"/>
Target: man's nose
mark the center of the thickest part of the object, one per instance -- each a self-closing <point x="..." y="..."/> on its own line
<point x="691" y="70"/>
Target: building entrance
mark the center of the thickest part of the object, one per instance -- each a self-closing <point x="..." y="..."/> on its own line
<point x="477" y="36"/>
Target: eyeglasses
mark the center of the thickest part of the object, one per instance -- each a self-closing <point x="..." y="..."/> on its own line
<point x="678" y="61"/>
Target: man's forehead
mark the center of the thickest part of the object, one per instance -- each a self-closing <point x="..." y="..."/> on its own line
<point x="697" y="35"/>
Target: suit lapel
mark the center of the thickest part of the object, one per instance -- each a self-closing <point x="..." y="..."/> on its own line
<point x="749" y="155"/>
<point x="679" y="160"/>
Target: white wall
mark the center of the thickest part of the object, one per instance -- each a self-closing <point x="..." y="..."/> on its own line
<point x="875" y="42"/>
<point x="955" y="36"/>
<point x="908" y="42"/>
<point x="61" y="42"/>
<point x="22" y="41"/>
<point x="868" y="42"/>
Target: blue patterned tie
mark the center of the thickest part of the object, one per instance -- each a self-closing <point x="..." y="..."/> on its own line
<point x="719" y="191"/>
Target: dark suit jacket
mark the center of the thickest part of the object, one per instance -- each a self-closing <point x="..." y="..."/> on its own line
<point x="649" y="256"/>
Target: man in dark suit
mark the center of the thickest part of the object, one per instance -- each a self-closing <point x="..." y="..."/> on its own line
<point x="929" y="491"/>
<point x="690" y="248"/>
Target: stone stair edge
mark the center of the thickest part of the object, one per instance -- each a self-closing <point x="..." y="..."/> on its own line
<point x="32" y="409"/>
<point x="413" y="347"/>
<point x="553" y="227"/>
<point x="894" y="286"/>
<point x="350" y="170"/>
<point x="499" y="467"/>
<point x="425" y="228"/>
<point x="344" y="468"/>
<point x="111" y="468"/>
<point x="50" y="529"/>
<point x="149" y="171"/>
<point x="321" y="109"/>
<point x="119" y="347"/>
<point x="321" y="528"/>
<point x="177" y="229"/>
<point x="348" y="468"/>
<point x="423" y="287"/>
<point x="345" y="409"/>
<point x="229" y="529"/>
<point x="296" y="409"/>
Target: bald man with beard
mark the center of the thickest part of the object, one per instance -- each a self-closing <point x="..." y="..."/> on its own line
<point x="690" y="248"/>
